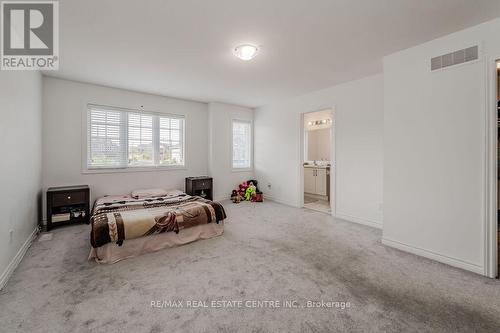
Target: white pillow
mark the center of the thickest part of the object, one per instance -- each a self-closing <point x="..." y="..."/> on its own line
<point x="149" y="193"/>
<point x="174" y="193"/>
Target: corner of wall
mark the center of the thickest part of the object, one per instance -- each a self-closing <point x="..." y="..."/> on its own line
<point x="11" y="267"/>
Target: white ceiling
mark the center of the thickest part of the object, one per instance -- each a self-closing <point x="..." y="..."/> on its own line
<point x="183" y="48"/>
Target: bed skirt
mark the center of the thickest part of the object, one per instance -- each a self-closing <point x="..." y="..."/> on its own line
<point x="111" y="252"/>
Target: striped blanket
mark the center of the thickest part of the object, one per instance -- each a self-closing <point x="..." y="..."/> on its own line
<point x="117" y="218"/>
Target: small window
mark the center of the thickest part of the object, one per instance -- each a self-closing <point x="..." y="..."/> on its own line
<point x="118" y="138"/>
<point x="242" y="144"/>
<point x="171" y="141"/>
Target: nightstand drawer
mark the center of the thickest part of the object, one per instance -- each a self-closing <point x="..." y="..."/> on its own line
<point x="68" y="205"/>
<point x="68" y="198"/>
<point x="202" y="184"/>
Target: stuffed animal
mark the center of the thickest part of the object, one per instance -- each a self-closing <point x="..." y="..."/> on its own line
<point x="259" y="197"/>
<point x="234" y="194"/>
<point x="255" y="182"/>
<point x="236" y="197"/>
<point x="242" y="188"/>
<point x="251" y="190"/>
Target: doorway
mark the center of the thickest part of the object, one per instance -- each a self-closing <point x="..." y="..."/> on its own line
<point x="317" y="170"/>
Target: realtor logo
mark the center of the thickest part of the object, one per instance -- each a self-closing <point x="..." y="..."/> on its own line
<point x="30" y="35"/>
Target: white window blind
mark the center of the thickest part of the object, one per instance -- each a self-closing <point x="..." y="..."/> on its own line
<point x="105" y="136"/>
<point x="171" y="141"/>
<point x="242" y="144"/>
<point x="119" y="138"/>
<point x="140" y="139"/>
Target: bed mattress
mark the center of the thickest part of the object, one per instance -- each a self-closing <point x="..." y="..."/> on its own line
<point x="150" y="224"/>
<point x="111" y="253"/>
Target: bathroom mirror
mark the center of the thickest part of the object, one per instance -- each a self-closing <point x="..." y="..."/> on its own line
<point x="318" y="144"/>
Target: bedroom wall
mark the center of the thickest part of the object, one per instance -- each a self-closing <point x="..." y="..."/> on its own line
<point x="65" y="101"/>
<point x="21" y="167"/>
<point x="434" y="149"/>
<point x="358" y="143"/>
<point x="220" y="157"/>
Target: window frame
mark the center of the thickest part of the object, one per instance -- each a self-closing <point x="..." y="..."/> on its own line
<point x="86" y="169"/>
<point x="242" y="169"/>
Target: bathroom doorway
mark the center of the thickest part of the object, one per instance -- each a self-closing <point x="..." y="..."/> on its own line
<point x="317" y="166"/>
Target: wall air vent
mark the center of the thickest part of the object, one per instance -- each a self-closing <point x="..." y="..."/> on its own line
<point x="455" y="58"/>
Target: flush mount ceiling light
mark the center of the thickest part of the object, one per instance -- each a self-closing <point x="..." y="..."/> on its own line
<point x="246" y="51"/>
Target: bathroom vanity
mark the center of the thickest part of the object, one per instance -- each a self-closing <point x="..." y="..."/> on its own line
<point x="317" y="179"/>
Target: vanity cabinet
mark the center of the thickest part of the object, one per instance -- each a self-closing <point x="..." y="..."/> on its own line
<point x="321" y="181"/>
<point x="309" y="180"/>
<point x="315" y="181"/>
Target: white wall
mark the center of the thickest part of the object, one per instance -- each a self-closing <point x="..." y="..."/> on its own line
<point x="358" y="142"/>
<point x="220" y="157"/>
<point x="21" y="167"/>
<point x="64" y="102"/>
<point x="434" y="149"/>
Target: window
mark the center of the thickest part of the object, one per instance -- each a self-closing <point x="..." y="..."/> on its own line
<point x="118" y="138"/>
<point x="242" y="144"/>
<point x="171" y="143"/>
<point x="140" y="139"/>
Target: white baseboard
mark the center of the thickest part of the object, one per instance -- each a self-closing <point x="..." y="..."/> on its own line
<point x="270" y="198"/>
<point x="435" y="256"/>
<point x="360" y="220"/>
<point x="7" y="273"/>
<point x="223" y="198"/>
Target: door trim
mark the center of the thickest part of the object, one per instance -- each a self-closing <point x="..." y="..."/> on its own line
<point x="300" y="168"/>
<point x="491" y="170"/>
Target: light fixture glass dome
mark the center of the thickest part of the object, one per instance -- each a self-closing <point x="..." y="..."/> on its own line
<point x="246" y="51"/>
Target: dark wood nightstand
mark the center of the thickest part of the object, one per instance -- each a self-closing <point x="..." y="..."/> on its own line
<point x="67" y="205"/>
<point x="200" y="186"/>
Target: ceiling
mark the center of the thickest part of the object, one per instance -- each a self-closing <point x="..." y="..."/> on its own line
<point x="183" y="48"/>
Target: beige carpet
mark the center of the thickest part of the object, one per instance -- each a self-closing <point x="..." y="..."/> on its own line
<point x="268" y="252"/>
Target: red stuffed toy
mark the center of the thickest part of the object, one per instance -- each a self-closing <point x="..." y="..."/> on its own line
<point x="243" y="188"/>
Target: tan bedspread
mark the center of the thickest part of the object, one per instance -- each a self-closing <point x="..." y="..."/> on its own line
<point x="112" y="253"/>
<point x="116" y="219"/>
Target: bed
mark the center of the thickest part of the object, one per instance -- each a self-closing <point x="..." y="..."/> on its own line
<point x="126" y="226"/>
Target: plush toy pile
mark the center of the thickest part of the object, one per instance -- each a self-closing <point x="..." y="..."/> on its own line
<point x="248" y="191"/>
